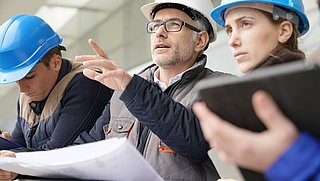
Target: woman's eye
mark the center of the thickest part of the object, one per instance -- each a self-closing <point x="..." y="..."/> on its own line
<point x="246" y="24"/>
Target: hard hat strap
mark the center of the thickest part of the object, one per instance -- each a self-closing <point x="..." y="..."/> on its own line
<point x="62" y="48"/>
<point x="285" y="14"/>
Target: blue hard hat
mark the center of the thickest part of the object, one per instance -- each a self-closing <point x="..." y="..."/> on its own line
<point x="24" y="40"/>
<point x="295" y="6"/>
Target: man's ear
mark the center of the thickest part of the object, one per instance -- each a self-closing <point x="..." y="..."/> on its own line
<point x="55" y="62"/>
<point x="285" y="31"/>
<point x="203" y="39"/>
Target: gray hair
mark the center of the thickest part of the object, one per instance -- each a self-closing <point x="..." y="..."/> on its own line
<point x="201" y="25"/>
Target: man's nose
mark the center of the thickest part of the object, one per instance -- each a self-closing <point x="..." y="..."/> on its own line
<point x="161" y="32"/>
<point x="23" y="85"/>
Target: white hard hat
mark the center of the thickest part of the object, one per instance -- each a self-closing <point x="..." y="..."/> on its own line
<point x="204" y="7"/>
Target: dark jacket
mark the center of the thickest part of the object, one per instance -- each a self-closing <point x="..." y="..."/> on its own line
<point x="281" y="54"/>
<point x="73" y="106"/>
<point x="161" y="125"/>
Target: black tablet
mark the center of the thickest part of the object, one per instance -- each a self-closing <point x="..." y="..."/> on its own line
<point x="6" y="144"/>
<point x="294" y="86"/>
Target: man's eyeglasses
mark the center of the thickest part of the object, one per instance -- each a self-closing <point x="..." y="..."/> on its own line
<point x="170" y="25"/>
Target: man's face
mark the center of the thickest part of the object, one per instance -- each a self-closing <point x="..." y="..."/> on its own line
<point x="37" y="84"/>
<point x="171" y="49"/>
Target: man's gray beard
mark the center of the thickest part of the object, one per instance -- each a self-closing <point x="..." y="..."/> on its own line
<point x="168" y="64"/>
<point x="176" y="59"/>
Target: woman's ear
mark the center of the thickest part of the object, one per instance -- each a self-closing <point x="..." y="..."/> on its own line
<point x="286" y="30"/>
<point x="55" y="62"/>
<point x="203" y="39"/>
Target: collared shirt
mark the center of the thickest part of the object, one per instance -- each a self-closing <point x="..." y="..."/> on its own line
<point x="172" y="80"/>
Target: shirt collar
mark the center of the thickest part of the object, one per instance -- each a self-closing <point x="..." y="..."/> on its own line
<point x="172" y="80"/>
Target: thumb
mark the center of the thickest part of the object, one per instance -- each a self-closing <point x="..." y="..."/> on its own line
<point x="94" y="46"/>
<point x="203" y="112"/>
<point x="268" y="111"/>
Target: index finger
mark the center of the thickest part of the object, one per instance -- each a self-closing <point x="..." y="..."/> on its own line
<point x="94" y="46"/>
<point x="83" y="58"/>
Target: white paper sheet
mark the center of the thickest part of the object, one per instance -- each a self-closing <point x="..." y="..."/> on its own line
<point x="112" y="159"/>
<point x="225" y="170"/>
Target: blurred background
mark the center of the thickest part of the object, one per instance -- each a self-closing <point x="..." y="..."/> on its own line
<point x="120" y="29"/>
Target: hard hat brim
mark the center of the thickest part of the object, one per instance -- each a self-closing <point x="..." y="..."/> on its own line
<point x="15" y="75"/>
<point x="146" y="9"/>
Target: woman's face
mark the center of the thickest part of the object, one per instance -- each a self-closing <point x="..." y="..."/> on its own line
<point x="252" y="36"/>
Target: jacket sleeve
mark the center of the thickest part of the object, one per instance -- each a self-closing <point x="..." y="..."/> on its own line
<point x="17" y="135"/>
<point x="300" y="162"/>
<point x="97" y="132"/>
<point x="176" y="125"/>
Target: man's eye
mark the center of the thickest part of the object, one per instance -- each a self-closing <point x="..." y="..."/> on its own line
<point x="173" y="24"/>
<point x="29" y="76"/>
<point x="156" y="26"/>
<point x="228" y="31"/>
